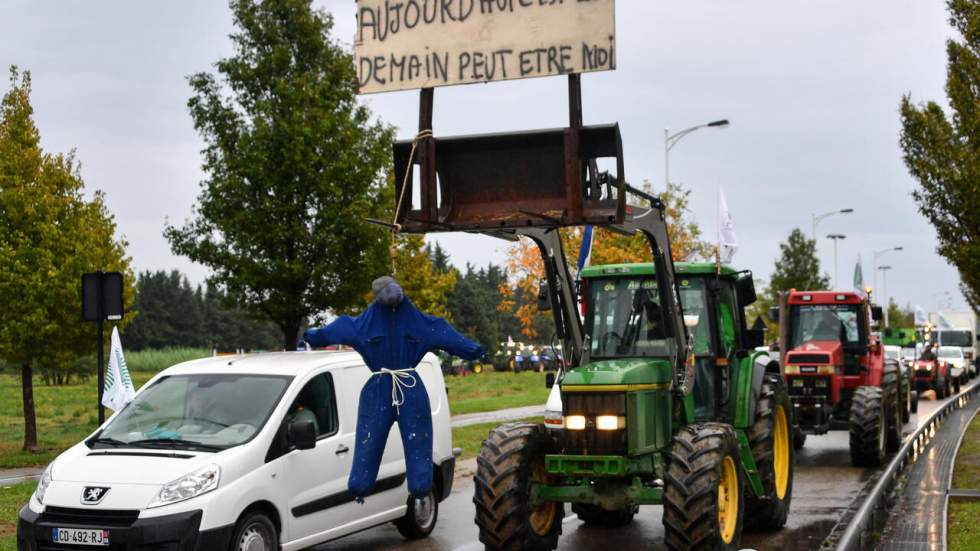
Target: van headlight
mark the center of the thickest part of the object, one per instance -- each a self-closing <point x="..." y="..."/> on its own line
<point x="194" y="484"/>
<point x="42" y="485"/>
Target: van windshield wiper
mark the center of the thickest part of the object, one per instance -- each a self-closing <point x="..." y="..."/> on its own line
<point x="174" y="442"/>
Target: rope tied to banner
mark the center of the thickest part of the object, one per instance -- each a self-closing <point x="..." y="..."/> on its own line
<point x="396" y="227"/>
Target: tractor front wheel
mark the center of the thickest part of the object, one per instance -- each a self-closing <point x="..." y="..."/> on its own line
<point x="704" y="490"/>
<point x="597" y="516"/>
<point x="868" y="425"/>
<point x="942" y="387"/>
<point x="771" y="438"/>
<point x="893" y="408"/>
<point x="511" y="460"/>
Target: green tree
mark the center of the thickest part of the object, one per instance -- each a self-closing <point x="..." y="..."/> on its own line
<point x="169" y="313"/>
<point x="49" y="236"/>
<point x="293" y="166"/>
<point x="942" y="151"/>
<point x="797" y="267"/>
<point x="900" y="316"/>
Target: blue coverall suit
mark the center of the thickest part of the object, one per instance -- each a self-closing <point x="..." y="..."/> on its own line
<point x="396" y="338"/>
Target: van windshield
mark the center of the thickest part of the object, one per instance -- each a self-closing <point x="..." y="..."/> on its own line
<point x="201" y="411"/>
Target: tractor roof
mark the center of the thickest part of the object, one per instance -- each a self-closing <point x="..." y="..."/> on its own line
<point x="824" y="297"/>
<point x="647" y="268"/>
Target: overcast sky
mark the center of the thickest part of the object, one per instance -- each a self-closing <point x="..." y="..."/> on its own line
<point x="812" y="90"/>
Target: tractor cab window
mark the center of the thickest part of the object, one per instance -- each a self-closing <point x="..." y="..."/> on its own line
<point x="826" y="322"/>
<point x="695" y="306"/>
<point x="625" y="319"/>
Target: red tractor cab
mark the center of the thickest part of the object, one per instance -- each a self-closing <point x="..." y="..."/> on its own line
<point x="837" y="374"/>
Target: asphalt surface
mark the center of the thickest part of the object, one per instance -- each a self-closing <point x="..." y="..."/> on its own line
<point x="825" y="485"/>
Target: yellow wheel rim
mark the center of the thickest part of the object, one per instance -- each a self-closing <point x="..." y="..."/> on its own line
<point x="542" y="517"/>
<point x="728" y="500"/>
<point x="780" y="452"/>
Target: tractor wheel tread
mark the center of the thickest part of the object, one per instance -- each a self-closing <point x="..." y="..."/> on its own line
<point x="866" y="418"/>
<point x="768" y="512"/>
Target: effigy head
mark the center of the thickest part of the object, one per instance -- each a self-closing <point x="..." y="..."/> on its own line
<point x="387" y="291"/>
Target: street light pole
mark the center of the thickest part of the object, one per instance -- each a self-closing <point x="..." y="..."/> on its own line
<point x="836" y="237"/>
<point x="817" y="218"/>
<point x="874" y="262"/>
<point x="884" y="290"/>
<point x="670" y="140"/>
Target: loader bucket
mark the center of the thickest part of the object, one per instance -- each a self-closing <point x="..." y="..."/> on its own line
<point x="492" y="181"/>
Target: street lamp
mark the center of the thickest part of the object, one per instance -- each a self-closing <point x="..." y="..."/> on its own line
<point x="874" y="269"/>
<point x="884" y="290"/>
<point x="816" y="218"/>
<point x="836" y="237"/>
<point x="670" y="140"/>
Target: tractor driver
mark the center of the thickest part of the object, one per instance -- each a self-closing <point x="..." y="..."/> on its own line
<point x="829" y="328"/>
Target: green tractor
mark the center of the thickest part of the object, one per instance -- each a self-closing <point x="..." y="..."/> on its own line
<point x="654" y="411"/>
<point x="716" y="457"/>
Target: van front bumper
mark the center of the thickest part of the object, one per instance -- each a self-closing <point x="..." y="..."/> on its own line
<point x="178" y="532"/>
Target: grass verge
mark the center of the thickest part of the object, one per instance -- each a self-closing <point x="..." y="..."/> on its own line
<point x="962" y="529"/>
<point x="491" y="391"/>
<point x="470" y="438"/>
<point x="12" y="498"/>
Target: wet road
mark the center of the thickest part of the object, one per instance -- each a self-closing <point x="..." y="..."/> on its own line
<point x="825" y="485"/>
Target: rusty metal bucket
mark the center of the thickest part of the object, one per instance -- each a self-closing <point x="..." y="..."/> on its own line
<point x="509" y="180"/>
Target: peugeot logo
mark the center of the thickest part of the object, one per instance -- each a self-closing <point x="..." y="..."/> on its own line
<point x="92" y="495"/>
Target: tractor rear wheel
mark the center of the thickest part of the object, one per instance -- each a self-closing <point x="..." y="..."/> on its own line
<point x="511" y="459"/>
<point x="942" y="387"/>
<point x="868" y="425"/>
<point x="597" y="516"/>
<point x="704" y="489"/>
<point x="772" y="449"/>
<point x="893" y="408"/>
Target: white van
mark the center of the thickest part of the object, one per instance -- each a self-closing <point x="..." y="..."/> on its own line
<point x="247" y="453"/>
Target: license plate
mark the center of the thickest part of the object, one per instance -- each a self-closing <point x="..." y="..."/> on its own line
<point x="81" y="536"/>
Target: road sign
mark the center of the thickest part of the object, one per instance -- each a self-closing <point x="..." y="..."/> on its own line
<point x="425" y="43"/>
<point x="102" y="299"/>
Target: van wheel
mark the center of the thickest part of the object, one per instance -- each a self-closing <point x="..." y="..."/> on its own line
<point x="255" y="532"/>
<point x="420" y="518"/>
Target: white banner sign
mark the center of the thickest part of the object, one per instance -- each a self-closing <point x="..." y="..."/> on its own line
<point x="407" y="44"/>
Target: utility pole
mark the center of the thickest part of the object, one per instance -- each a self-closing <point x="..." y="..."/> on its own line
<point x="670" y="140"/>
<point x="836" y="237"/>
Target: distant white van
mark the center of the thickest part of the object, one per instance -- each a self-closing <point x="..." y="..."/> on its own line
<point x="247" y="453"/>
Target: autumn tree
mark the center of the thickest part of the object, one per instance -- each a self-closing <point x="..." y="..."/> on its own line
<point x="293" y="165"/>
<point x="526" y="270"/>
<point x="418" y="275"/>
<point x="49" y="236"/>
<point x="942" y="151"/>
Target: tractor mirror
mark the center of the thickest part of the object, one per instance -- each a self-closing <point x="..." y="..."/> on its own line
<point x="549" y="380"/>
<point x="876" y="313"/>
<point x="544" y="297"/>
<point x="755" y="338"/>
<point x="745" y="290"/>
<point x="774" y="314"/>
<point x="691" y="320"/>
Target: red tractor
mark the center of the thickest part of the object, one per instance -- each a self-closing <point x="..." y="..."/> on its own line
<point x="837" y="374"/>
<point x="931" y="373"/>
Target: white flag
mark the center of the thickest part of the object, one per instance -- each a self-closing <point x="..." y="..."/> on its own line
<point x="118" y="390"/>
<point x="727" y="243"/>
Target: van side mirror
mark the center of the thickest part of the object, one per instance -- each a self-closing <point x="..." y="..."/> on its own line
<point x="549" y="380"/>
<point x="745" y="290"/>
<point x="876" y="313"/>
<point x="301" y="434"/>
<point x="774" y="314"/>
<point x="544" y="297"/>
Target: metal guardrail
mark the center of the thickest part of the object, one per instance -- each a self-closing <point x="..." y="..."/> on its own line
<point x="871" y="516"/>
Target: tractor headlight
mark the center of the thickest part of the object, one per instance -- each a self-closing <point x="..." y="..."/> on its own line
<point x="191" y="485"/>
<point x="575" y="422"/>
<point x="610" y="422"/>
<point x="820" y="383"/>
<point x="797" y="382"/>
